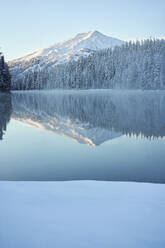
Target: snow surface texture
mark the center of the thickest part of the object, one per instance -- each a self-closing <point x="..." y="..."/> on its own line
<point x="82" y="214"/>
<point x="81" y="45"/>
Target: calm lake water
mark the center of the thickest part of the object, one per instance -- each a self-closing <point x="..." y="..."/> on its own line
<point x="83" y="135"/>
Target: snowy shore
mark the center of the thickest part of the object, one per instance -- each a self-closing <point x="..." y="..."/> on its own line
<point x="82" y="214"/>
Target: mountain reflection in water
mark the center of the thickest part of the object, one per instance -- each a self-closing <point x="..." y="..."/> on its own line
<point x="124" y="132"/>
<point x="93" y="117"/>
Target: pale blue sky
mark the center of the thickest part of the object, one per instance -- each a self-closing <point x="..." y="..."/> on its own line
<point x="33" y="24"/>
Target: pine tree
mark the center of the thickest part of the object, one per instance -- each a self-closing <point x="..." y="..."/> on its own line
<point x="5" y="80"/>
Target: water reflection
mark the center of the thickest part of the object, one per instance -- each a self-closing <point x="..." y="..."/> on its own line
<point x="5" y="112"/>
<point x="89" y="117"/>
<point x="93" y="117"/>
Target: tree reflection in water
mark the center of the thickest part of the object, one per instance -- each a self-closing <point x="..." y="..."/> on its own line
<point x="5" y="111"/>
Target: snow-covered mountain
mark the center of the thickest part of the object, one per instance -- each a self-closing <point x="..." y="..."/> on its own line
<point x="81" y="45"/>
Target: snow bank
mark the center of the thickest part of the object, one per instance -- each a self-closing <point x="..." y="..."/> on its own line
<point x="81" y="214"/>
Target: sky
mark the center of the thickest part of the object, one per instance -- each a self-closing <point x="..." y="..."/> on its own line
<point x="30" y="25"/>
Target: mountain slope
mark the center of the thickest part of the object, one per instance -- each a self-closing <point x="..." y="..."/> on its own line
<point x="81" y="45"/>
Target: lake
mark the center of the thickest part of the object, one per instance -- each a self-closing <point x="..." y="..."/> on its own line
<point x="108" y="135"/>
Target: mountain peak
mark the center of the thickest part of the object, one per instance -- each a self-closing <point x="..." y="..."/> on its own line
<point x="82" y="44"/>
<point x="94" y="40"/>
<point x="95" y="32"/>
<point x="89" y="34"/>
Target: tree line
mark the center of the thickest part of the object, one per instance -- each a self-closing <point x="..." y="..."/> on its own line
<point x="134" y="65"/>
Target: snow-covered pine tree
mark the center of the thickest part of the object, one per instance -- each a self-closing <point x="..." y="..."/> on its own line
<point x="134" y="65"/>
